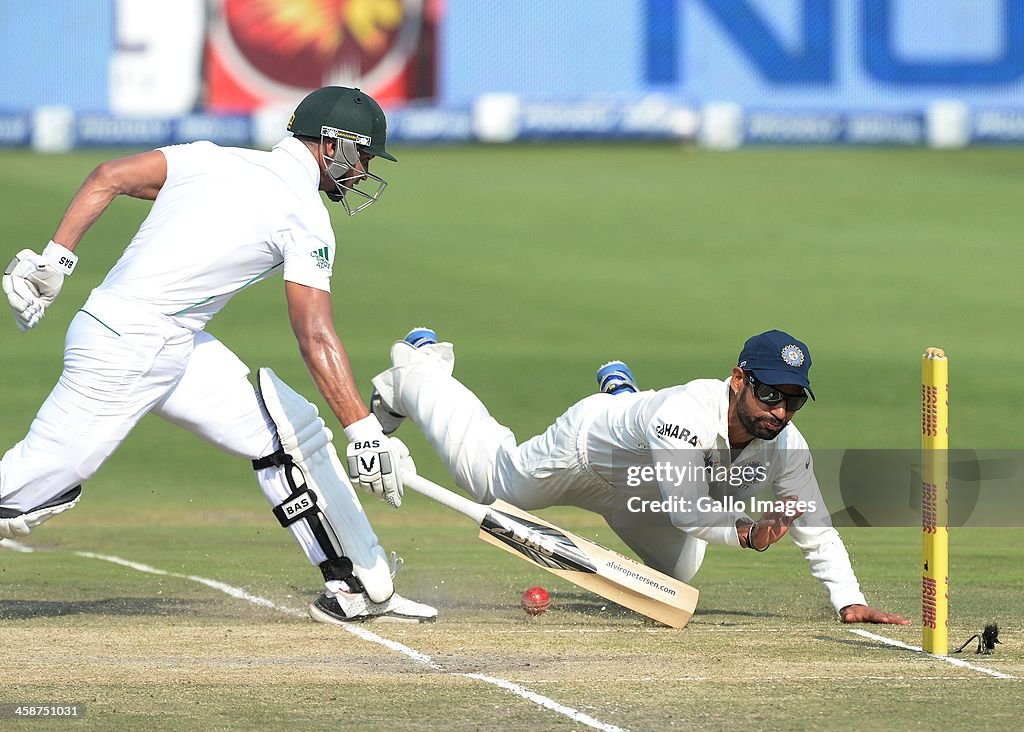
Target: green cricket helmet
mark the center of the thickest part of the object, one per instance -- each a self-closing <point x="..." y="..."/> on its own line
<point x="356" y="124"/>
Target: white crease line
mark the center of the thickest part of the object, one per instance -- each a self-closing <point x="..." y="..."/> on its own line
<point x="15" y="546"/>
<point x="768" y="679"/>
<point x="360" y="632"/>
<point x="665" y="679"/>
<point x="645" y="631"/>
<point x="573" y="714"/>
<point x="918" y="649"/>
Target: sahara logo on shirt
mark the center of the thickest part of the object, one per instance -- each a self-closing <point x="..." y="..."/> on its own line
<point x="676" y="432"/>
<point x="322" y="257"/>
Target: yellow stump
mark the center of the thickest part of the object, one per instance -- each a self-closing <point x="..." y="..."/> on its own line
<point x="934" y="502"/>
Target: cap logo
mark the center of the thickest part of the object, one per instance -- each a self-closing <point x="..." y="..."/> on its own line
<point x="793" y="356"/>
<point x="336" y="134"/>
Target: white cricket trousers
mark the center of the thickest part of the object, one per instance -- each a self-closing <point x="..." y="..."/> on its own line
<point x="121" y="362"/>
<point x="551" y="469"/>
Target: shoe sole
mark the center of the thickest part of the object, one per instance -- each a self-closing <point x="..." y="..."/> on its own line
<point x="617" y="378"/>
<point x="421" y="336"/>
<point x="319" y="616"/>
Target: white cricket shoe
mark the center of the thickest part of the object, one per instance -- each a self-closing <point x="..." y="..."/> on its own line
<point x="615" y="377"/>
<point x="351" y="607"/>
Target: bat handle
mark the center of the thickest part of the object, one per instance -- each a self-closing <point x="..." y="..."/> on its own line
<point x="444" y="496"/>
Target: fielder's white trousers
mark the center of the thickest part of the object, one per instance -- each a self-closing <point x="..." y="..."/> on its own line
<point x="551" y="469"/>
<point x="120" y="363"/>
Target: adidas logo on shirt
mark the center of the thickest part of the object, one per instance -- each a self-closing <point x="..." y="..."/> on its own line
<point x="322" y="257"/>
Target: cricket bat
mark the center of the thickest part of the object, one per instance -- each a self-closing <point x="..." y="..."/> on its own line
<point x="606" y="573"/>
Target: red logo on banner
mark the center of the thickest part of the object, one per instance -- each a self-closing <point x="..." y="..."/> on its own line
<point x="266" y="51"/>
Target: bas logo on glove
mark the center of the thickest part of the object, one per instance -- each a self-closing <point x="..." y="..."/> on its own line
<point x="32" y="282"/>
<point x="375" y="461"/>
<point x="366" y="463"/>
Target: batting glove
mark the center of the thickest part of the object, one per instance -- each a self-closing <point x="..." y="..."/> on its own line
<point x="32" y="282"/>
<point x="14" y="528"/>
<point x="376" y="462"/>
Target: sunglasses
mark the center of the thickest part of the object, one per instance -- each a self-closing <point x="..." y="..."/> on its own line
<point x="772" y="395"/>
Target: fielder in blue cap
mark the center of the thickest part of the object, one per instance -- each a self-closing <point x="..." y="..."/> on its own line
<point x="774" y="366"/>
<point x="671" y="470"/>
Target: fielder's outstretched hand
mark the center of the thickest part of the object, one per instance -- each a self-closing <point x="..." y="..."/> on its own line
<point x="865" y="614"/>
<point x="772" y="526"/>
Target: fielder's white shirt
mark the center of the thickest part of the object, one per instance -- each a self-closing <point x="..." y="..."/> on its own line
<point x="685" y="430"/>
<point x="225" y="219"/>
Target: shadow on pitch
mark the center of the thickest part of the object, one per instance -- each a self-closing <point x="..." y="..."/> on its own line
<point x="590" y="605"/>
<point x="28" y="609"/>
<point x="708" y="613"/>
<point x="594" y="606"/>
<point x="850" y="642"/>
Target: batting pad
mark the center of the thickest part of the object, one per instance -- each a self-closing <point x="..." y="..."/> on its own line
<point x="305" y="437"/>
<point x="404" y="358"/>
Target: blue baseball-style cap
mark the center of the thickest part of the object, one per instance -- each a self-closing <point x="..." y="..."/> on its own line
<point x="776" y="358"/>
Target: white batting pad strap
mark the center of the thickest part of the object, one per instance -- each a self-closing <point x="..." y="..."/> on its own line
<point x="60" y="258"/>
<point x="304" y="437"/>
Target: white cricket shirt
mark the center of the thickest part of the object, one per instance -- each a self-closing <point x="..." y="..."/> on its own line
<point x="225" y="219"/>
<point x="681" y="436"/>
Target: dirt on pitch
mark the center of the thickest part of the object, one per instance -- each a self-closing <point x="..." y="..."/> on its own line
<point x="220" y="664"/>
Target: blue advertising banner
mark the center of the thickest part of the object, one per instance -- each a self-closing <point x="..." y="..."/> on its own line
<point x="55" y="52"/>
<point x="838" y="55"/>
<point x="728" y="72"/>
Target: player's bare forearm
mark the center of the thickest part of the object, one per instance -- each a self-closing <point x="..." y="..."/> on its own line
<point x="328" y="364"/>
<point x="323" y="353"/>
<point x="139" y="176"/>
<point x="866" y="614"/>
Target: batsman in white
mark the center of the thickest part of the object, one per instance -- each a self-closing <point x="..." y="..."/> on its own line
<point x="222" y="219"/>
<point x="667" y="469"/>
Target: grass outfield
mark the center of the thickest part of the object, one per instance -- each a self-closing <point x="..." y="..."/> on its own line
<point x="540" y="263"/>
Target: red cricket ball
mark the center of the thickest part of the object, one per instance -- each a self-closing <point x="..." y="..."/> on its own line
<point x="536" y="600"/>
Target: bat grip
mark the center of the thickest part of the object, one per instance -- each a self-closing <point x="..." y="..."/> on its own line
<point x="444" y="496"/>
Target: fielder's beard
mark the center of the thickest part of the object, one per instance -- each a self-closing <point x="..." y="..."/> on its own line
<point x="763" y="428"/>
